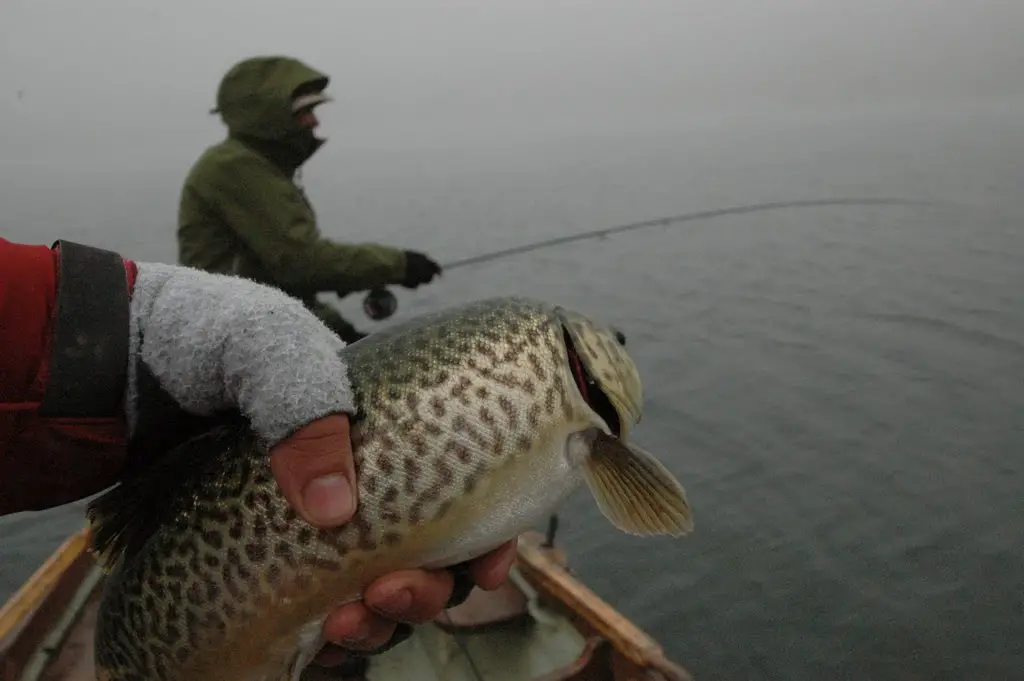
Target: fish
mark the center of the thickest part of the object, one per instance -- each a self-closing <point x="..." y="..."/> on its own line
<point x="471" y="425"/>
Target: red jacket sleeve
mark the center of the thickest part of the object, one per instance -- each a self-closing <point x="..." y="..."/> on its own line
<point x="28" y="288"/>
<point x="63" y="361"/>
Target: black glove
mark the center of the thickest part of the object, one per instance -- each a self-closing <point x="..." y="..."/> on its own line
<point x="419" y="269"/>
<point x="463" y="585"/>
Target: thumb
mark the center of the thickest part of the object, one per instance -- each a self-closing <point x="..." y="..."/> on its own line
<point x="316" y="472"/>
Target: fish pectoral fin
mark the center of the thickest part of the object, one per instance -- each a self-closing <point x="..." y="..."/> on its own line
<point x="310" y="641"/>
<point x="286" y="658"/>
<point x="634" y="490"/>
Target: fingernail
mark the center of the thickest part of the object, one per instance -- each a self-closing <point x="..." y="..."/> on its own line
<point x="396" y="604"/>
<point x="329" y="499"/>
<point x="360" y="633"/>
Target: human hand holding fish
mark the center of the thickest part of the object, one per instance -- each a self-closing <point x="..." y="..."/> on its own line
<point x="316" y="472"/>
<point x="209" y="344"/>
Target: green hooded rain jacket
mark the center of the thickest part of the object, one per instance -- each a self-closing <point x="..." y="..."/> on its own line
<point x="241" y="211"/>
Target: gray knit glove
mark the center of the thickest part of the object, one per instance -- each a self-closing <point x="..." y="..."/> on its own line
<point x="214" y="343"/>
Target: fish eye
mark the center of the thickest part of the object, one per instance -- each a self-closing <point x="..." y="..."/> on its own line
<point x="620" y="337"/>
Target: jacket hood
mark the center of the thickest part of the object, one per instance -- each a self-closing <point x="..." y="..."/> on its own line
<point x="255" y="96"/>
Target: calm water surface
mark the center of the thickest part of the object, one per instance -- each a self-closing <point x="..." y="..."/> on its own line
<point x="840" y="389"/>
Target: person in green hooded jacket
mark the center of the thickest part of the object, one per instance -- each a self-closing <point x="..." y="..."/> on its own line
<point x="242" y="213"/>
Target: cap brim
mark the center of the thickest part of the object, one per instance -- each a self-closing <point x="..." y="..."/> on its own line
<point x="309" y="101"/>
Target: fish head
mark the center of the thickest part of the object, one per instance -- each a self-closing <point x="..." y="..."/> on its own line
<point x="604" y="373"/>
<point x="635" y="491"/>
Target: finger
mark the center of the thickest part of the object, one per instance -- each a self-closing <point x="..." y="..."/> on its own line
<point x="315" y="470"/>
<point x="413" y="596"/>
<point x="333" y="655"/>
<point x="356" y="627"/>
<point x="490" y="570"/>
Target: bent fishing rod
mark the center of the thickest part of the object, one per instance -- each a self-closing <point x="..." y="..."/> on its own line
<point x="381" y="303"/>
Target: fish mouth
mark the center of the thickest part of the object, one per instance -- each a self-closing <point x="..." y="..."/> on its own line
<point x="590" y="389"/>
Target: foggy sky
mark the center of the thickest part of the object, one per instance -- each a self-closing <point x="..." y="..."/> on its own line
<point x="137" y="77"/>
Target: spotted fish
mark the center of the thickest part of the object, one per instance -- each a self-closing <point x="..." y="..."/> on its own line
<point x="472" y="425"/>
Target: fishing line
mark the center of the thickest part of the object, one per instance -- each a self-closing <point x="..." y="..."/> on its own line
<point x="380" y="303"/>
<point x="462" y="646"/>
<point x="673" y="219"/>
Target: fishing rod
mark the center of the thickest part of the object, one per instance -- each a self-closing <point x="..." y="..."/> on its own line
<point x="380" y="303"/>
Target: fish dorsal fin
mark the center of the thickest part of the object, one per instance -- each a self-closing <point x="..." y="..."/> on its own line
<point x="128" y="514"/>
<point x="634" y="490"/>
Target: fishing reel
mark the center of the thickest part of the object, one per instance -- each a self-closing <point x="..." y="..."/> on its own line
<point x="380" y="304"/>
